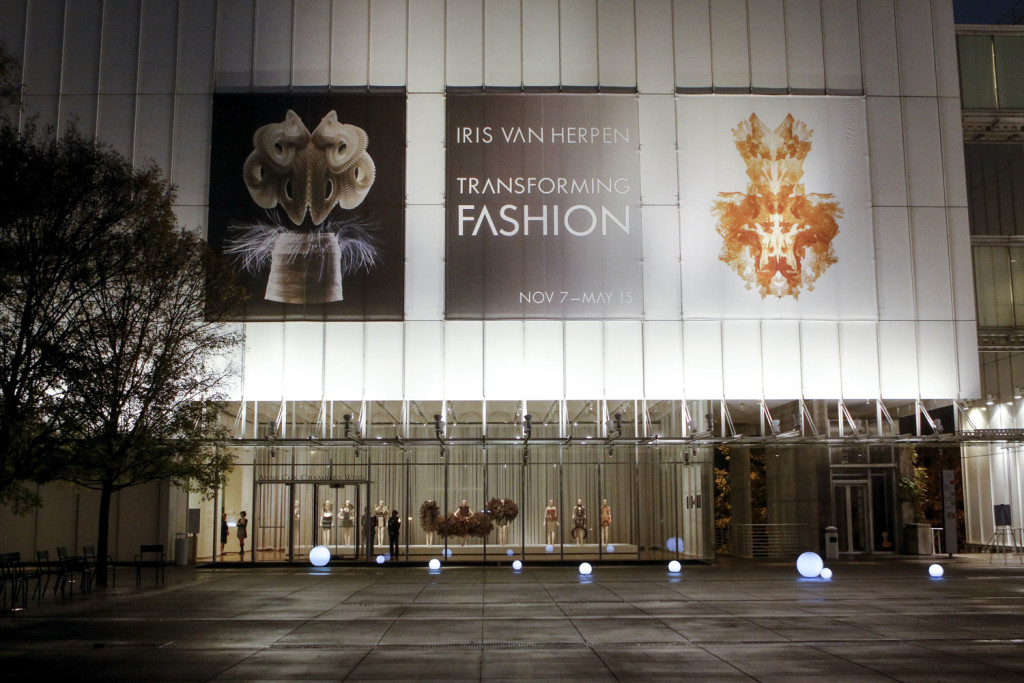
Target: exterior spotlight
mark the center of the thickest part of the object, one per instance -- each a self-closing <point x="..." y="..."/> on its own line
<point x="434" y="564"/>
<point x="527" y="426"/>
<point x="585" y="569"/>
<point x="319" y="556"/>
<point x="709" y="422"/>
<point x="439" y="427"/>
<point x="675" y="567"/>
<point x="990" y="400"/>
<point x="1018" y="392"/>
<point x="348" y="424"/>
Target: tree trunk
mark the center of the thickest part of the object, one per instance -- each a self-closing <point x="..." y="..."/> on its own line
<point x="102" y="543"/>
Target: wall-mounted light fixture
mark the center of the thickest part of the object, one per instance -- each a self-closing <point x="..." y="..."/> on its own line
<point x="990" y="400"/>
<point x="1018" y="391"/>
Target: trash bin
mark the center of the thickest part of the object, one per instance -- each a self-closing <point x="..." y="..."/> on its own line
<point x="181" y="550"/>
<point x="831" y="543"/>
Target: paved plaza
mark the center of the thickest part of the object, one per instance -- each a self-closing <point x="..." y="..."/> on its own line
<point x="733" y="620"/>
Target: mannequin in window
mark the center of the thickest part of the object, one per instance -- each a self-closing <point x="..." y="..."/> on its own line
<point x="551" y="522"/>
<point x="579" y="522"/>
<point x="606" y="522"/>
<point x="326" y="521"/>
<point x="381" y="513"/>
<point x="347" y="521"/>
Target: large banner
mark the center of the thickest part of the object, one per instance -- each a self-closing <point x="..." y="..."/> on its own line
<point x="776" y="208"/>
<point x="307" y="199"/>
<point x="543" y="207"/>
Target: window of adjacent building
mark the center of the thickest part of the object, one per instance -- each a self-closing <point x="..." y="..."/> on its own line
<point x="995" y="186"/>
<point x="990" y="71"/>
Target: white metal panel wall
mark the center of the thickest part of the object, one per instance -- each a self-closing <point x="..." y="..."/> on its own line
<point x="540" y="43"/>
<point x="730" y="57"/>
<point x="196" y="43"/>
<point x="343" y="371"/>
<point x="263" y="377"/>
<point x="464" y="46"/>
<point x="841" y="29"/>
<point x="623" y="359"/>
<point x="423" y="367"/>
<point x="654" y="71"/>
<point x="81" y="47"/>
<point x="426" y="47"/>
<point x="388" y="32"/>
<point x="503" y="42"/>
<point x="272" y="54"/>
<point x="235" y="38"/>
<point x="503" y="358"/>
<point x="543" y="360"/>
<point x="578" y="42"/>
<point x="303" y="361"/>
<point x="691" y="23"/>
<point x="464" y="360"/>
<point x="805" y="54"/>
<point x="819" y="356"/>
<point x="311" y="37"/>
<point x="119" y="47"/>
<point x="584" y="359"/>
<point x="350" y="42"/>
<point x="616" y="44"/>
<point x="182" y="50"/>
<point x="768" y="46"/>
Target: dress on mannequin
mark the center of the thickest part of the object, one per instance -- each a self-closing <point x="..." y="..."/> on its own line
<point x="326" y="522"/>
<point x="606" y="522"/>
<point x="579" y="522"/>
<point x="466" y="513"/>
<point x="551" y="522"/>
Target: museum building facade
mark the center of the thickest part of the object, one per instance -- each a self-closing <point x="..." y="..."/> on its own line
<point x="548" y="267"/>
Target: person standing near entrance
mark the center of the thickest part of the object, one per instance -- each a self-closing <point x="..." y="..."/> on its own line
<point x="242" y="531"/>
<point x="394" y="527"/>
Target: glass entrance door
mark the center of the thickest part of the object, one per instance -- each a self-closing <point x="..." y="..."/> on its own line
<point x="852" y="508"/>
<point x="296" y="516"/>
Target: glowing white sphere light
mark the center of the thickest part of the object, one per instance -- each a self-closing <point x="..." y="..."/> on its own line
<point x="675" y="567"/>
<point x="610" y="548"/>
<point x="381" y="559"/>
<point x="809" y="565"/>
<point x="585" y="568"/>
<point x="447" y="552"/>
<point x="935" y="571"/>
<point x="319" y="556"/>
<point x="510" y="552"/>
<point x="434" y="563"/>
<point x="826" y="573"/>
<point x="549" y="548"/>
<point x="517" y="565"/>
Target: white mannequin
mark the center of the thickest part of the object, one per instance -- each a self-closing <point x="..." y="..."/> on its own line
<point x="551" y="522"/>
<point x="381" y="513"/>
<point x="326" y="522"/>
<point x="347" y="514"/>
<point x="463" y="511"/>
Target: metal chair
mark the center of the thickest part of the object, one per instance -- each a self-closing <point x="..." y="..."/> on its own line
<point x="150" y="556"/>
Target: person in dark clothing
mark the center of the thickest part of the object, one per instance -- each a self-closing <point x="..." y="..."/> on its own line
<point x="394" y="527"/>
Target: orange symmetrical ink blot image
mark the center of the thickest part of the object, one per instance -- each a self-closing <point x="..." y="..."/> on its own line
<point x="777" y="237"/>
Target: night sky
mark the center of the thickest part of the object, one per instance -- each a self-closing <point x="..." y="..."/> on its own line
<point x="986" y="11"/>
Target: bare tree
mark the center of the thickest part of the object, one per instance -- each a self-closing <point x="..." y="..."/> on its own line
<point x="145" y="367"/>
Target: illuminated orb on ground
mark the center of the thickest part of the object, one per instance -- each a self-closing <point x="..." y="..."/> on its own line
<point x="549" y="548"/>
<point x="434" y="563"/>
<point x="381" y="559"/>
<point x="510" y="552"/>
<point x="447" y="552"/>
<point x="517" y="565"/>
<point x="826" y="573"/>
<point x="809" y="565"/>
<point x="585" y="568"/>
<point x="675" y="567"/>
<point x="936" y="571"/>
<point x="674" y="545"/>
<point x="319" y="556"/>
<point x="610" y="548"/>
